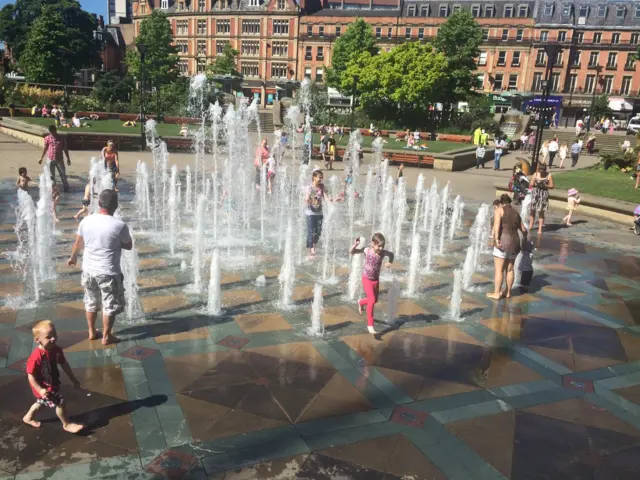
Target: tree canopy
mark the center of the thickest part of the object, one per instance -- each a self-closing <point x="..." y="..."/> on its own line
<point x="600" y="108"/>
<point x="161" y="57"/>
<point x="459" y="38"/>
<point x="356" y="40"/>
<point x="225" y="64"/>
<point x="111" y="88"/>
<point x="60" y="42"/>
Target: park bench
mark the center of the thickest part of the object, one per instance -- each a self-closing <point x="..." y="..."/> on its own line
<point x="181" y="144"/>
<point x="181" y="120"/>
<point x="413" y="159"/>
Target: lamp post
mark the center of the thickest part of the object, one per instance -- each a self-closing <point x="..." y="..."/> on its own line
<point x="552" y="56"/>
<point x="353" y="99"/>
<point x="142" y="48"/>
<point x="158" y="64"/>
<point x="593" y="96"/>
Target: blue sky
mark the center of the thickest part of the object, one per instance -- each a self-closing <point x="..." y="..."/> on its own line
<point x="98" y="7"/>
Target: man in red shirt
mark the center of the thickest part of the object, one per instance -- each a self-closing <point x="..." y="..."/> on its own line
<point x="54" y="147"/>
<point x="44" y="376"/>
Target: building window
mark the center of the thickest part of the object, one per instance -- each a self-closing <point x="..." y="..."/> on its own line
<point x="164" y="4"/>
<point x="282" y="4"/>
<point x="412" y="11"/>
<point x="457" y="8"/>
<point x="508" y="11"/>
<point x="338" y="31"/>
<point x="555" y="82"/>
<point x="280" y="49"/>
<point x="378" y="32"/>
<point x="476" y="11"/>
<point x="597" y="37"/>
<point x="594" y="58"/>
<point x="444" y="10"/>
<point x="589" y="83"/>
<point x="250" y="69"/>
<point x="515" y="60"/>
<point x="321" y="31"/>
<point x="631" y="61"/>
<point x="536" y="85"/>
<point x="576" y="58"/>
<point x="202" y="27"/>
<point x="489" y="11"/>
<point x="513" y="81"/>
<point x="201" y="65"/>
<point x="584" y="11"/>
<point x="183" y="67"/>
<point x="573" y="82"/>
<point x="612" y="61"/>
<point x="309" y="30"/>
<point x="544" y="36"/>
<point x="254" y="3"/>
<point x="320" y="53"/>
<point x="566" y="10"/>
<point x="519" y="34"/>
<point x="562" y="36"/>
<point x="541" y="58"/>
<point x="505" y="34"/>
<point x="424" y="11"/>
<point x="482" y="59"/>
<point x="279" y="70"/>
<point x="485" y="35"/>
<point x="182" y="46"/>
<point x="307" y="72"/>
<point x="308" y="53"/>
<point x="182" y="27"/>
<point x="621" y="12"/>
<point x="607" y="83"/>
<point x="407" y="33"/>
<point x="497" y="82"/>
<point x="250" y="48"/>
<point x="636" y="11"/>
<point x="615" y="38"/>
<point x="389" y="33"/>
<point x="421" y="33"/>
<point x="143" y="9"/>
<point x="602" y="11"/>
<point x="319" y="72"/>
<point x="547" y="10"/>
<point x="202" y="5"/>
<point x="579" y="37"/>
<point x="281" y="27"/>
<point x="202" y="47"/>
<point x="223" y="26"/>
<point x="634" y="39"/>
<point x="251" y="27"/>
<point x="523" y="11"/>
<point x="480" y="81"/>
<point x="625" y="87"/>
<point x="220" y="46"/>
<point x="502" y="59"/>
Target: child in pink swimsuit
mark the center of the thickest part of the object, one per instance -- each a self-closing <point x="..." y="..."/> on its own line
<point x="373" y="256"/>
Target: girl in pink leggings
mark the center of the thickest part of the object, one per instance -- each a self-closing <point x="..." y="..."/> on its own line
<point x="373" y="256"/>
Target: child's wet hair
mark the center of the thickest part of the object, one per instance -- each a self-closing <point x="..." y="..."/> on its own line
<point x="378" y="239"/>
<point x="22" y="171"/>
<point x="40" y="326"/>
<point x="317" y="173"/>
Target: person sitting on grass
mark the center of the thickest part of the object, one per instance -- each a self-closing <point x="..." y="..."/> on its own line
<point x="183" y="130"/>
<point x="129" y="123"/>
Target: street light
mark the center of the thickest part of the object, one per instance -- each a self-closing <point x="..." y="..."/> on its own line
<point x="142" y="48"/>
<point x="552" y="56"/>
<point x="593" y="96"/>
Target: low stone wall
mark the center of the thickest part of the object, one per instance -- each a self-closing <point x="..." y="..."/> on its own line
<point x="590" y="205"/>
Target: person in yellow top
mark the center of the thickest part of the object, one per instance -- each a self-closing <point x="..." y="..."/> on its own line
<point x="476" y="136"/>
<point x="484" y="138"/>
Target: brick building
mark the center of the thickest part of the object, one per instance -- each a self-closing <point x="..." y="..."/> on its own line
<point x="264" y="32"/>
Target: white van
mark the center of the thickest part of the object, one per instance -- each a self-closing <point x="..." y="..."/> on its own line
<point x="633" y="127"/>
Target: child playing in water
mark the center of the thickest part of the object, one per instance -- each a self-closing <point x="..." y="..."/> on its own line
<point x="86" y="200"/>
<point x="55" y="197"/>
<point x="399" y="173"/>
<point x="572" y="203"/>
<point x="44" y="376"/>
<point x="373" y="257"/>
<point x="271" y="172"/>
<point x="562" y="153"/>
<point x="23" y="180"/>
<point x="525" y="266"/>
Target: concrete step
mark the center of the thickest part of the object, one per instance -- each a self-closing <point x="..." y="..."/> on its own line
<point x="604" y="143"/>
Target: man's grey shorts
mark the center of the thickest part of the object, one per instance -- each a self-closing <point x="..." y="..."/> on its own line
<point x="103" y="290"/>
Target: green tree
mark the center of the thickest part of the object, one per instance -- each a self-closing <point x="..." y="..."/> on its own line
<point x="60" y="42"/>
<point x="459" y="39"/>
<point x="225" y="64"/>
<point x="161" y="57"/>
<point x="111" y="88"/>
<point x="403" y="82"/>
<point x="357" y="39"/>
<point x="600" y="108"/>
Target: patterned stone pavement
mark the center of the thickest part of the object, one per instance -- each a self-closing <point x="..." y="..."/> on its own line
<point x="544" y="386"/>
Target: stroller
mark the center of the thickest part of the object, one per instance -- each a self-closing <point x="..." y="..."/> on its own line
<point x="518" y="185"/>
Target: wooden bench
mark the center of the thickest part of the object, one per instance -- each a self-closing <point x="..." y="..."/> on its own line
<point x="181" y="144"/>
<point x="181" y="120"/>
<point x="413" y="159"/>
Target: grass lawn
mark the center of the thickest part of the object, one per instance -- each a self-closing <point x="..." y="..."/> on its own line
<point x="615" y="185"/>
<point x="105" y="126"/>
<point x="434" y="147"/>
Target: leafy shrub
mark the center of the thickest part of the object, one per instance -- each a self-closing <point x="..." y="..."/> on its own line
<point x="619" y="160"/>
<point x="29" y="95"/>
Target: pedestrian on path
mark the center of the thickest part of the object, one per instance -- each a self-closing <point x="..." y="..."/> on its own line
<point x="575" y="152"/>
<point x="497" y="154"/>
<point x="553" y="150"/>
<point x="480" y="152"/>
<point x="54" y="148"/>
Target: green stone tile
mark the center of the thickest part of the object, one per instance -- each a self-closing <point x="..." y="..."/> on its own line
<point x="147" y="342"/>
<point x="83" y="471"/>
<point x="537" y="367"/>
<point x="523" y="388"/>
<point x="352" y="435"/>
<point x="3" y="362"/>
<point x="617" y="406"/>
<point x="485" y="409"/>
<point x="625" y="368"/>
<point x="538" y="398"/>
<point x="21" y="346"/>
<point x="613" y="383"/>
<point x="330" y="353"/>
<point x="156" y="374"/>
<point x="462" y="453"/>
<point x="346" y="352"/>
<point x="25" y="316"/>
<point x="553" y="366"/>
<point x="125" y="345"/>
<point x="174" y="426"/>
<point x="340" y="423"/>
<point x="453" y="401"/>
<point x="93" y="358"/>
<point x="135" y="380"/>
<point x="218" y="332"/>
<point x="148" y="433"/>
<point x="388" y="388"/>
<point x="169" y="351"/>
<point x="9" y="372"/>
<point x="198" y="345"/>
<point x="373" y="394"/>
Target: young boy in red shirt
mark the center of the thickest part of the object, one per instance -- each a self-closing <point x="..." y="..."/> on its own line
<point x="44" y="377"/>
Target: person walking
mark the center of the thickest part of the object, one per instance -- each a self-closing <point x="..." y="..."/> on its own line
<point x="575" y="152"/>
<point x="541" y="183"/>
<point x="553" y="150"/>
<point x="55" y="146"/>
<point x="500" y="145"/>
<point x="103" y="238"/>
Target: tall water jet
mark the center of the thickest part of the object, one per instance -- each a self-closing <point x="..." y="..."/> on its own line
<point x="386" y="218"/>
<point x="430" y="195"/>
<point x="468" y="268"/>
<point x="327" y="241"/>
<point x="456" y="297"/>
<point x="414" y="265"/>
<point x="24" y="260"/>
<point x="154" y="144"/>
<point x="198" y="247"/>
<point x="369" y="192"/>
<point x="434" y="200"/>
<point x="418" y="196"/>
<point x="355" y="273"/>
<point x="188" y="195"/>
<point x="288" y="271"/>
<point x="130" y="270"/>
<point x="456" y="216"/>
<point x="400" y="207"/>
<point x="317" y="328"/>
<point x="392" y="301"/>
<point x="444" y="215"/>
<point x="479" y="234"/>
<point x="143" y="203"/>
<point x="263" y="198"/>
<point x="214" y="306"/>
<point x="44" y="228"/>
<point x="197" y="109"/>
<point x="173" y="210"/>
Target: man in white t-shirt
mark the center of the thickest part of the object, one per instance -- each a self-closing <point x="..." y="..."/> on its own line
<point x="553" y="150"/>
<point x="103" y="238"/>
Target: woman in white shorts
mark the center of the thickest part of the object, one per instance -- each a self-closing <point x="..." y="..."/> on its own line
<point x="506" y="241"/>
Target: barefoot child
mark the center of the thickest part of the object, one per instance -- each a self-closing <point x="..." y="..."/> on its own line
<point x="55" y="198"/>
<point x="373" y="257"/>
<point x="271" y="172"/>
<point x="526" y="265"/>
<point x="44" y="376"/>
<point x="564" y="149"/>
<point x="89" y="193"/>
<point x="23" y="180"/>
<point x="572" y="203"/>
